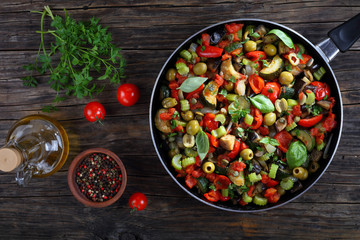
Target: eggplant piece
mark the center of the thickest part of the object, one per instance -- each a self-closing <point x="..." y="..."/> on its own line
<point x="324" y="104"/>
<point x="256" y="166"/>
<point x="300" y="84"/>
<point x="280" y="124"/>
<point x="213" y="64"/>
<point x="261" y="30"/>
<point x="271" y="38"/>
<point x="297" y="186"/>
<point x="315" y="155"/>
<point x="217" y="35"/>
<point x="254" y="136"/>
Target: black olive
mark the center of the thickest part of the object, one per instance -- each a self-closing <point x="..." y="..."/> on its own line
<point x="216" y="36"/>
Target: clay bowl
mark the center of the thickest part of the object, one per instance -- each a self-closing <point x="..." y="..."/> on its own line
<point x="75" y="188"/>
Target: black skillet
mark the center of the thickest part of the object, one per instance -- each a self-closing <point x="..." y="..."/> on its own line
<point x="340" y="38"/>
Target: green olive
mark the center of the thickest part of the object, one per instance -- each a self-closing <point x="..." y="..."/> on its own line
<point x="208" y="167"/>
<point x="173" y="152"/>
<point x="192" y="127"/>
<point x="286" y="78"/>
<point x="169" y="102"/>
<point x="190" y="152"/>
<point x="250" y="46"/>
<point x="187" y="116"/>
<point x="247" y="154"/>
<point x="200" y="68"/>
<point x="300" y="173"/>
<point x="171" y="74"/>
<point x="269" y="119"/>
<point x="229" y="86"/>
<point x="270" y="50"/>
<point x="314" y="166"/>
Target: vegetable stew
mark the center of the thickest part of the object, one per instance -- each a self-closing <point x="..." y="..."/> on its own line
<point x="246" y="114"/>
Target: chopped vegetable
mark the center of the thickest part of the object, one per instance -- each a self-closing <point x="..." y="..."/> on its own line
<point x="244" y="125"/>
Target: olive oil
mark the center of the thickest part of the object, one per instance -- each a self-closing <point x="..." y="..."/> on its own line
<point x="37" y="146"/>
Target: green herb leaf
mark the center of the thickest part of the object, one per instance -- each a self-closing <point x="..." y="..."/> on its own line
<point x="296" y="154"/>
<point x="83" y="48"/>
<point x="232" y="79"/>
<point x="316" y="110"/>
<point x="283" y="36"/>
<point x="254" y="35"/>
<point x="49" y="109"/>
<point x="191" y="84"/>
<point x="223" y="92"/>
<point x="299" y="55"/>
<point x="202" y="143"/>
<point x="262" y="103"/>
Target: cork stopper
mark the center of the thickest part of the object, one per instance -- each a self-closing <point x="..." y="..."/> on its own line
<point x="10" y="159"/>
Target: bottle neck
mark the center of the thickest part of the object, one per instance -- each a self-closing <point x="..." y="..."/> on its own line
<point x="11" y="158"/>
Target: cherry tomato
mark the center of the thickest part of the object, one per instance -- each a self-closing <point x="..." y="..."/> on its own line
<point x="128" y="94"/>
<point x="94" y="111"/>
<point x="138" y="201"/>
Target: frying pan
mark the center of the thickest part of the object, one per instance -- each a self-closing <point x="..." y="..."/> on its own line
<point x="340" y="38"/>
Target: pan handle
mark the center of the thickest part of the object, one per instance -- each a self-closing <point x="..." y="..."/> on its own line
<point x="341" y="38"/>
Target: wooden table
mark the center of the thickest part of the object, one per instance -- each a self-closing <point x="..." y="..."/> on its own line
<point x="148" y="31"/>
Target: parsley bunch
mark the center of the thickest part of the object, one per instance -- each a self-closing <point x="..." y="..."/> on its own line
<point x="82" y="48"/>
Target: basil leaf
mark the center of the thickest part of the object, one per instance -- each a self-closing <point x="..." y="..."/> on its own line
<point x="296" y="154"/>
<point x="202" y="143"/>
<point x="262" y="103"/>
<point x="283" y="36"/>
<point x="191" y="84"/>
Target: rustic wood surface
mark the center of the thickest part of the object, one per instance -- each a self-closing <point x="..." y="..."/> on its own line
<point x="148" y="31"/>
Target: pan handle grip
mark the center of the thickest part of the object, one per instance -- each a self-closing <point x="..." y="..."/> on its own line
<point x="345" y="35"/>
<point x="340" y="38"/>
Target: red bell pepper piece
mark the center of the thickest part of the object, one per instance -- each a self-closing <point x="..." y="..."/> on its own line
<point x="235" y="150"/>
<point x="265" y="179"/>
<point x="224" y="43"/>
<point x="284" y="138"/>
<point x="329" y="123"/>
<point x="209" y="51"/>
<point x="322" y="90"/>
<point x="238" y="166"/>
<point x="210" y="176"/>
<point x="272" y="195"/>
<point x="205" y="39"/>
<point x="264" y="131"/>
<point x="190" y="181"/>
<point x="224" y="199"/>
<point x="234" y="27"/>
<point x="258" y="118"/>
<point x="167" y="116"/>
<point x="297" y="110"/>
<point x="213" y="140"/>
<point x="309" y="122"/>
<point x="256" y="83"/>
<point x="197" y="173"/>
<point x="250" y="193"/>
<point x="212" y="196"/>
<point x="221" y="182"/>
<point x="219" y="80"/>
<point x="198" y="90"/>
<point x="243" y="146"/>
<point x="256" y="56"/>
<point x="272" y="91"/>
<point x="197" y="105"/>
<point x="209" y="122"/>
<point x="305" y="59"/>
<point x="178" y="129"/>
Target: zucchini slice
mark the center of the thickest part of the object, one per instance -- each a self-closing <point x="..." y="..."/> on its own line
<point x="286" y="92"/>
<point x="210" y="91"/>
<point x="274" y="69"/>
<point x="305" y="137"/>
